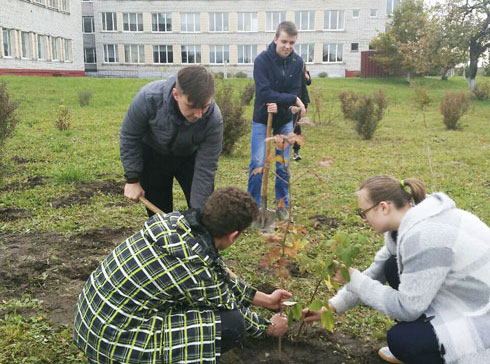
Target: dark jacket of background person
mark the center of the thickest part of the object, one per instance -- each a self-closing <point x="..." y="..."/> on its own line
<point x="154" y="118"/>
<point x="305" y="97"/>
<point x="157" y="297"/>
<point x="277" y="80"/>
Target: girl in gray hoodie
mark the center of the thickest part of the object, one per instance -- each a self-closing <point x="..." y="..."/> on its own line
<point x="436" y="260"/>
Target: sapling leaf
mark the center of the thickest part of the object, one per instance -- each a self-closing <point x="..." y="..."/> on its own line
<point x="296" y="309"/>
<point x="345" y="274"/>
<point x="316" y="305"/>
<point x="327" y="320"/>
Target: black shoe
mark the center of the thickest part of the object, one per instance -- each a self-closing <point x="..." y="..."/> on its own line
<point x="296" y="156"/>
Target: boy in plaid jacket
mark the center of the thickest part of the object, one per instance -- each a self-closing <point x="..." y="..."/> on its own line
<point x="165" y="296"/>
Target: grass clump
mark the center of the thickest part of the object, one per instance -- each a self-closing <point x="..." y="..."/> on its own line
<point x="453" y="106"/>
<point x="482" y="90"/>
<point x="8" y="120"/>
<point x="62" y="122"/>
<point x="70" y="174"/>
<point x="84" y="98"/>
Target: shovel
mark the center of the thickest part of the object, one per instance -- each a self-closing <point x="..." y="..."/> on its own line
<point x="266" y="217"/>
<point x="149" y="205"/>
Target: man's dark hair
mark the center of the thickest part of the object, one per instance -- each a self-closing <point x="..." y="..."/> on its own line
<point x="286" y="26"/>
<point x="197" y="83"/>
<point x="227" y="210"/>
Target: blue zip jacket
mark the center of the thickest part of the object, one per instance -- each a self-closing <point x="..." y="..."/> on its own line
<point x="277" y="80"/>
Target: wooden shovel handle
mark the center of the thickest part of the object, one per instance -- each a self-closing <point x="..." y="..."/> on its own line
<point x="265" y="177"/>
<point x="149" y="205"/>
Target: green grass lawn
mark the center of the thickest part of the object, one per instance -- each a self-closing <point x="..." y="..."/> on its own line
<point x="89" y="151"/>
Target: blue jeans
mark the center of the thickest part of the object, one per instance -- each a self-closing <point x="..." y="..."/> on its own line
<point x="257" y="159"/>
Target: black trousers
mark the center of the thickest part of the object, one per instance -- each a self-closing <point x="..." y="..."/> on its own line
<point x="158" y="176"/>
<point x="232" y="329"/>
<point x="297" y="131"/>
<point x="412" y="342"/>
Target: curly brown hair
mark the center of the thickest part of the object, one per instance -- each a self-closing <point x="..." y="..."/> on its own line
<point x="228" y="209"/>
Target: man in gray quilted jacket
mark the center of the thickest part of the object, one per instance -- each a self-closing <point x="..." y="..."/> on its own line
<point x="173" y="129"/>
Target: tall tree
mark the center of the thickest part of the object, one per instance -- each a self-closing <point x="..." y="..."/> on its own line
<point x="471" y="18"/>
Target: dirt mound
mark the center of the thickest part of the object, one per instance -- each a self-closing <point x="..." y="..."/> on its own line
<point x="10" y="214"/>
<point x="316" y="346"/>
<point x="86" y="190"/>
<point x="28" y="183"/>
<point x="53" y="267"/>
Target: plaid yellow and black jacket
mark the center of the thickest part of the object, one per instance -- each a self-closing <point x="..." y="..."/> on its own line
<point x="156" y="298"/>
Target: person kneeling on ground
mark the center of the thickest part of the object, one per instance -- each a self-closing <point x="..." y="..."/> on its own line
<point x="436" y="260"/>
<point x="165" y="296"/>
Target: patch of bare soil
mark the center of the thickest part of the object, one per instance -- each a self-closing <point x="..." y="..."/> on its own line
<point x="20" y="160"/>
<point x="28" y="183"/>
<point x="53" y="267"/>
<point x="86" y="190"/>
<point x="10" y="214"/>
<point x="315" y="346"/>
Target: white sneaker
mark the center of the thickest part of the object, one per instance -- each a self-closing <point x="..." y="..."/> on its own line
<point x="385" y="354"/>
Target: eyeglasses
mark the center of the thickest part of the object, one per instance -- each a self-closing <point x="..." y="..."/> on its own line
<point x="362" y="213"/>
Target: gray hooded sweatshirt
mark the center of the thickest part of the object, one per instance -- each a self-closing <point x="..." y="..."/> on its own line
<point x="153" y="118"/>
<point x="443" y="258"/>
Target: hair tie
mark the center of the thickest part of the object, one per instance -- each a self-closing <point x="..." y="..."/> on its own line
<point x="402" y="183"/>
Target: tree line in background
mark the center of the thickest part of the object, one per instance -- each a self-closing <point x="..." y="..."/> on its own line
<point x="435" y="40"/>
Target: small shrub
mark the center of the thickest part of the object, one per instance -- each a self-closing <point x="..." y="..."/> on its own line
<point x="219" y="75"/>
<point x="234" y="124"/>
<point x="63" y="121"/>
<point x="482" y="90"/>
<point x="422" y="99"/>
<point x="84" y="98"/>
<point x="366" y="111"/>
<point x="323" y="75"/>
<point x="241" y="74"/>
<point x="248" y="93"/>
<point x="8" y="121"/>
<point x="453" y="106"/>
<point x="348" y="100"/>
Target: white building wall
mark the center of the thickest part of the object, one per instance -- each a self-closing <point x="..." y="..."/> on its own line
<point x="359" y="30"/>
<point x="26" y="16"/>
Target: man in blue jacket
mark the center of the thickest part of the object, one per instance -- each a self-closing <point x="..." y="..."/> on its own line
<point x="173" y="129"/>
<point x="277" y="75"/>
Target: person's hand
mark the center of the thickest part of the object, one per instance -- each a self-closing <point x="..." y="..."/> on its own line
<point x="276" y="298"/>
<point x="301" y="106"/>
<point x="279" y="325"/>
<point x="338" y="275"/>
<point x="133" y="191"/>
<point x="272" y="107"/>
<point x="311" y="316"/>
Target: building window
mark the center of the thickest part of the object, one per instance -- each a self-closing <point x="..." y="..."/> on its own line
<point x="53" y="4"/>
<point x="65" y="4"/>
<point x="334" y="20"/>
<point x="356" y="13"/>
<point x="306" y="51"/>
<point x="110" y="53"/>
<point x="273" y="19"/>
<point x="133" y="22"/>
<point x="7" y="43"/>
<point x="247" y="22"/>
<point x="109" y="22"/>
<point x="354" y="47"/>
<point x="219" y="54"/>
<point x="305" y="20"/>
<point x="391" y="5"/>
<point x="88" y="24"/>
<point x="41" y="47"/>
<point x="247" y="54"/>
<point x="89" y="55"/>
<point x="191" y="54"/>
<point x="134" y="53"/>
<point x="39" y="2"/>
<point x="161" y="22"/>
<point x="163" y="54"/>
<point x="332" y="53"/>
<point x="26" y="44"/>
<point x="54" y="49"/>
<point x="190" y="22"/>
<point x="67" y="50"/>
<point x="218" y="22"/>
<point x="373" y="13"/>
